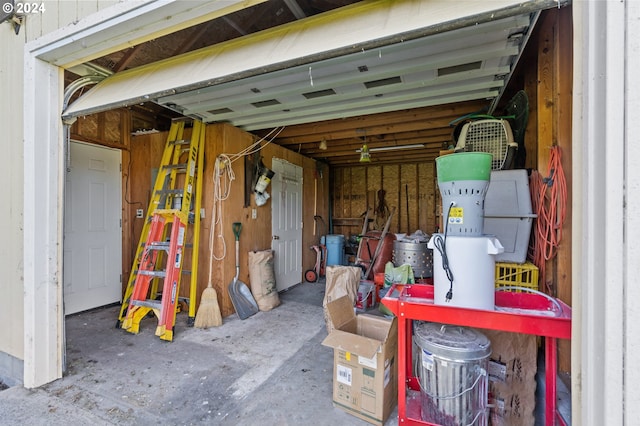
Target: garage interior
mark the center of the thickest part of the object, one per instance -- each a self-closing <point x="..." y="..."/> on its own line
<point x="401" y="98"/>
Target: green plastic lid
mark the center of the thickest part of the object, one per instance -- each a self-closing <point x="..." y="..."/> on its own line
<point x="464" y="166"/>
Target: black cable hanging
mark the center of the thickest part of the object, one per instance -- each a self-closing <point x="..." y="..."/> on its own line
<point x="441" y="244"/>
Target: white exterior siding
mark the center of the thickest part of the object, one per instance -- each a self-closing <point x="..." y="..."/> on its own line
<point x="11" y="176"/>
<point x="632" y="230"/>
<point x="61" y="13"/>
<point x="606" y="245"/>
<point x="12" y="290"/>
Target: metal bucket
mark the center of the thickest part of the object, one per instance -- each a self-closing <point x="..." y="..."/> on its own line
<point x="452" y="372"/>
<point x="418" y="255"/>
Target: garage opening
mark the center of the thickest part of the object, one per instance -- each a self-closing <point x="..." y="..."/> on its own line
<point x="332" y="105"/>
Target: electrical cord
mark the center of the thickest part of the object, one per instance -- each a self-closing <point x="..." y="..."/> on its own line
<point x="255" y="147"/>
<point x="441" y="244"/>
<point x="223" y="176"/>
<point x="549" y="200"/>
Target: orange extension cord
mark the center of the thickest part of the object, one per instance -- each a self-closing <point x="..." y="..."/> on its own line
<point x="549" y="202"/>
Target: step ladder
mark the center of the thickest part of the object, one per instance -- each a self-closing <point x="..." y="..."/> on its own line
<point x="154" y="281"/>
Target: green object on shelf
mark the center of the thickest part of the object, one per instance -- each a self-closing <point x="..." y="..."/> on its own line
<point x="402" y="274"/>
<point x="464" y="166"/>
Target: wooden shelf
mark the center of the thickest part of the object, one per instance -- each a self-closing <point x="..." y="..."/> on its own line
<point x="347" y="221"/>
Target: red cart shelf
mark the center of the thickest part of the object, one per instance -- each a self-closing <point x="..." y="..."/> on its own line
<point x="527" y="313"/>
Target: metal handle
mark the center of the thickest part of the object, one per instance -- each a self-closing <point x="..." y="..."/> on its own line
<point x="275" y="237"/>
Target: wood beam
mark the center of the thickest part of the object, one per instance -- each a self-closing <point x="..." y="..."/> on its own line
<point x="127" y="58"/>
<point x="374" y="124"/>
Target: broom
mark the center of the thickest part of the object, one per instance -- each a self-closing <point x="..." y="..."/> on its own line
<point x="208" y="314"/>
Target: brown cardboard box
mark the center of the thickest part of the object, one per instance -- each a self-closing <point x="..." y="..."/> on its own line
<point x="365" y="369"/>
<point x="512" y="382"/>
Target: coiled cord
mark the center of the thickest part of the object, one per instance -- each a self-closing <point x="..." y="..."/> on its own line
<point x="549" y="201"/>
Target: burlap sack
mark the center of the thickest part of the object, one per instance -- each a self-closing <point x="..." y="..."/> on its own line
<point x="341" y="281"/>
<point x="262" y="279"/>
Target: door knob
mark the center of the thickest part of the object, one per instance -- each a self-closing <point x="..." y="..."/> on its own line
<point x="275" y="237"/>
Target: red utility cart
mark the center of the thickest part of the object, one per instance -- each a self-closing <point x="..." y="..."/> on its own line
<point x="527" y="313"/>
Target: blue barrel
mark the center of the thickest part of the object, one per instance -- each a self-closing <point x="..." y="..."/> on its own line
<point x="335" y="249"/>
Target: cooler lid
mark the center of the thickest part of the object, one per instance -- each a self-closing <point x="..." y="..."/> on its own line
<point x="453" y="342"/>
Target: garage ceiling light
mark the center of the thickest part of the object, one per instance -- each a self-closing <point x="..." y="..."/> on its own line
<point x="393" y="148"/>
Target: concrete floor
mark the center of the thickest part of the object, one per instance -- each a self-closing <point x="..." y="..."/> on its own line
<point x="269" y="369"/>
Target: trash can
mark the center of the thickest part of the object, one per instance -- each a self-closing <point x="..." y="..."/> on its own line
<point x="452" y="372"/>
<point x="335" y="249"/>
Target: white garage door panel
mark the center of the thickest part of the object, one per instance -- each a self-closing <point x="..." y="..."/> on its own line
<point x="361" y="27"/>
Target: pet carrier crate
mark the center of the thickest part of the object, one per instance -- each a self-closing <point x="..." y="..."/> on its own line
<point x="493" y="136"/>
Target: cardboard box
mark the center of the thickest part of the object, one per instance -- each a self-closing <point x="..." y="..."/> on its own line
<point x="365" y="369"/>
<point x="512" y="378"/>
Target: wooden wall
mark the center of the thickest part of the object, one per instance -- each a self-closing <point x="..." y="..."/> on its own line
<point x="545" y="72"/>
<point x="146" y="151"/>
<point x="409" y="187"/>
<point x="554" y="78"/>
<point x="107" y="128"/>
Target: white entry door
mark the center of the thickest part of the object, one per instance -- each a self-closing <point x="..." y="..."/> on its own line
<point x="92" y="228"/>
<point x="286" y="223"/>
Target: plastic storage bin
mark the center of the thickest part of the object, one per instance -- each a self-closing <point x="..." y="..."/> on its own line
<point x="508" y="214"/>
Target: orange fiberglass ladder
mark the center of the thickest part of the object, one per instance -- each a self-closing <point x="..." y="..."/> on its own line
<point x="174" y="205"/>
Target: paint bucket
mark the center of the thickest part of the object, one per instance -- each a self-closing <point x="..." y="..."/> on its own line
<point x="335" y="249"/>
<point x="463" y="180"/>
<point x="452" y="372"/>
<point x="472" y="263"/>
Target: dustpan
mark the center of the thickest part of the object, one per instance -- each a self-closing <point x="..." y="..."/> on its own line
<point x="241" y="297"/>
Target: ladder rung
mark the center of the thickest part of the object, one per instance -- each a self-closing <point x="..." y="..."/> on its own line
<point x="180" y="167"/>
<point x="170" y="191"/>
<point x="159" y="245"/>
<point x="149" y="303"/>
<point x="182" y="142"/>
<point x="166" y="212"/>
<point x="157" y="274"/>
